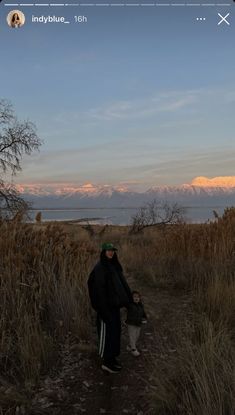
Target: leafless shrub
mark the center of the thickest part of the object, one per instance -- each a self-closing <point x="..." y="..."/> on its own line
<point x="156" y="213"/>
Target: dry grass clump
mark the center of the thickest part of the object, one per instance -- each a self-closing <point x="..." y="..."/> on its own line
<point x="183" y="255"/>
<point x="201" y="380"/>
<point x="217" y="300"/>
<point x="43" y="292"/>
<point x="201" y="258"/>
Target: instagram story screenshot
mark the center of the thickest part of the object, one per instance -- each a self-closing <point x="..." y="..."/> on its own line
<point x="117" y="207"/>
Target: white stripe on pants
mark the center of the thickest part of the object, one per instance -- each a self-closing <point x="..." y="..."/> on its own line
<point x="134" y="333"/>
<point x="102" y="337"/>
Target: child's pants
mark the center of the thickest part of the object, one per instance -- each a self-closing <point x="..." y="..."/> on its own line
<point x="134" y="333"/>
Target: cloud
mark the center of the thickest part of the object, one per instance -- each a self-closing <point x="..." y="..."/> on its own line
<point x="142" y="108"/>
<point x="174" y="102"/>
<point x="112" y="119"/>
<point x="173" y="167"/>
<point x="174" y="150"/>
<point x="136" y="108"/>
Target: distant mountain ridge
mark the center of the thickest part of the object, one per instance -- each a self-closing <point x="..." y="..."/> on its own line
<point x="202" y="191"/>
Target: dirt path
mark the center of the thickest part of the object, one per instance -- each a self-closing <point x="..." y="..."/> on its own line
<point x="80" y="386"/>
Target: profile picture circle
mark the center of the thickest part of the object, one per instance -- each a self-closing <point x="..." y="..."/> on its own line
<point x="15" y="19"/>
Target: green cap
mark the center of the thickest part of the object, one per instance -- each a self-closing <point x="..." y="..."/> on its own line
<point x="107" y="246"/>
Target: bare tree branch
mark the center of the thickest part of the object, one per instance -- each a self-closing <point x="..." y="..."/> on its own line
<point x="6" y="112"/>
<point x="16" y="139"/>
<point x="156" y="213"/>
<point x="10" y="202"/>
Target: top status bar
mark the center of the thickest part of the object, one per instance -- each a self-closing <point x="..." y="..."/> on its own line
<point x="161" y="3"/>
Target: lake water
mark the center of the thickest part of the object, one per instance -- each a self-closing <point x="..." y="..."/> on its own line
<point x="118" y="216"/>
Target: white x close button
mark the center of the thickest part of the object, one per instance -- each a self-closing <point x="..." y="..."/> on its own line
<point x="223" y="19"/>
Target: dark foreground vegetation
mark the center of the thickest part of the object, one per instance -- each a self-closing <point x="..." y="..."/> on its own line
<point x="43" y="274"/>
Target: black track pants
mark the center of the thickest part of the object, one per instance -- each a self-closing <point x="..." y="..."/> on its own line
<point x="109" y="335"/>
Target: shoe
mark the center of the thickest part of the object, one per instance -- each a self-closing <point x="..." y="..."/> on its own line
<point x="135" y="352"/>
<point x="110" y="368"/>
<point x="128" y="348"/>
<point x="117" y="364"/>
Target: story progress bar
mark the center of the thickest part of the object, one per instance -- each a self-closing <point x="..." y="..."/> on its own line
<point x="179" y="4"/>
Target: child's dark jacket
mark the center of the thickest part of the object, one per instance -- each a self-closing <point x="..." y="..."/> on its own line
<point x="135" y="314"/>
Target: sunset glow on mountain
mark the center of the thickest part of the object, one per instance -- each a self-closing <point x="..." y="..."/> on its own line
<point x="67" y="188"/>
<point x="224" y="181"/>
<point x="58" y="189"/>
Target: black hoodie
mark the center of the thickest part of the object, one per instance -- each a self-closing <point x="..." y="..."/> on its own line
<point x="109" y="287"/>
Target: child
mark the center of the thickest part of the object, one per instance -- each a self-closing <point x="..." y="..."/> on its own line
<point x="135" y="317"/>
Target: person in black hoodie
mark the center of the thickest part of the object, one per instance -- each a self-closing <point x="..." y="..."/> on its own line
<point x="135" y="317"/>
<point x="109" y="291"/>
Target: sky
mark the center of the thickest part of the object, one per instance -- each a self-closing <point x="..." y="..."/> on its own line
<point x="140" y="96"/>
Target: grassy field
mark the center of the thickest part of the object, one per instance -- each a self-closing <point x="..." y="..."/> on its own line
<point x="43" y="274"/>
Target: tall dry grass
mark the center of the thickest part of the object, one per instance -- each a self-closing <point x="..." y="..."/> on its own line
<point x="200" y="259"/>
<point x="43" y="274"/>
<point x="201" y="380"/>
<point x="43" y="292"/>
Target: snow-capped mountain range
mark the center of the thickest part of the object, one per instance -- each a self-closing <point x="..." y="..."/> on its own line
<point x="202" y="191"/>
